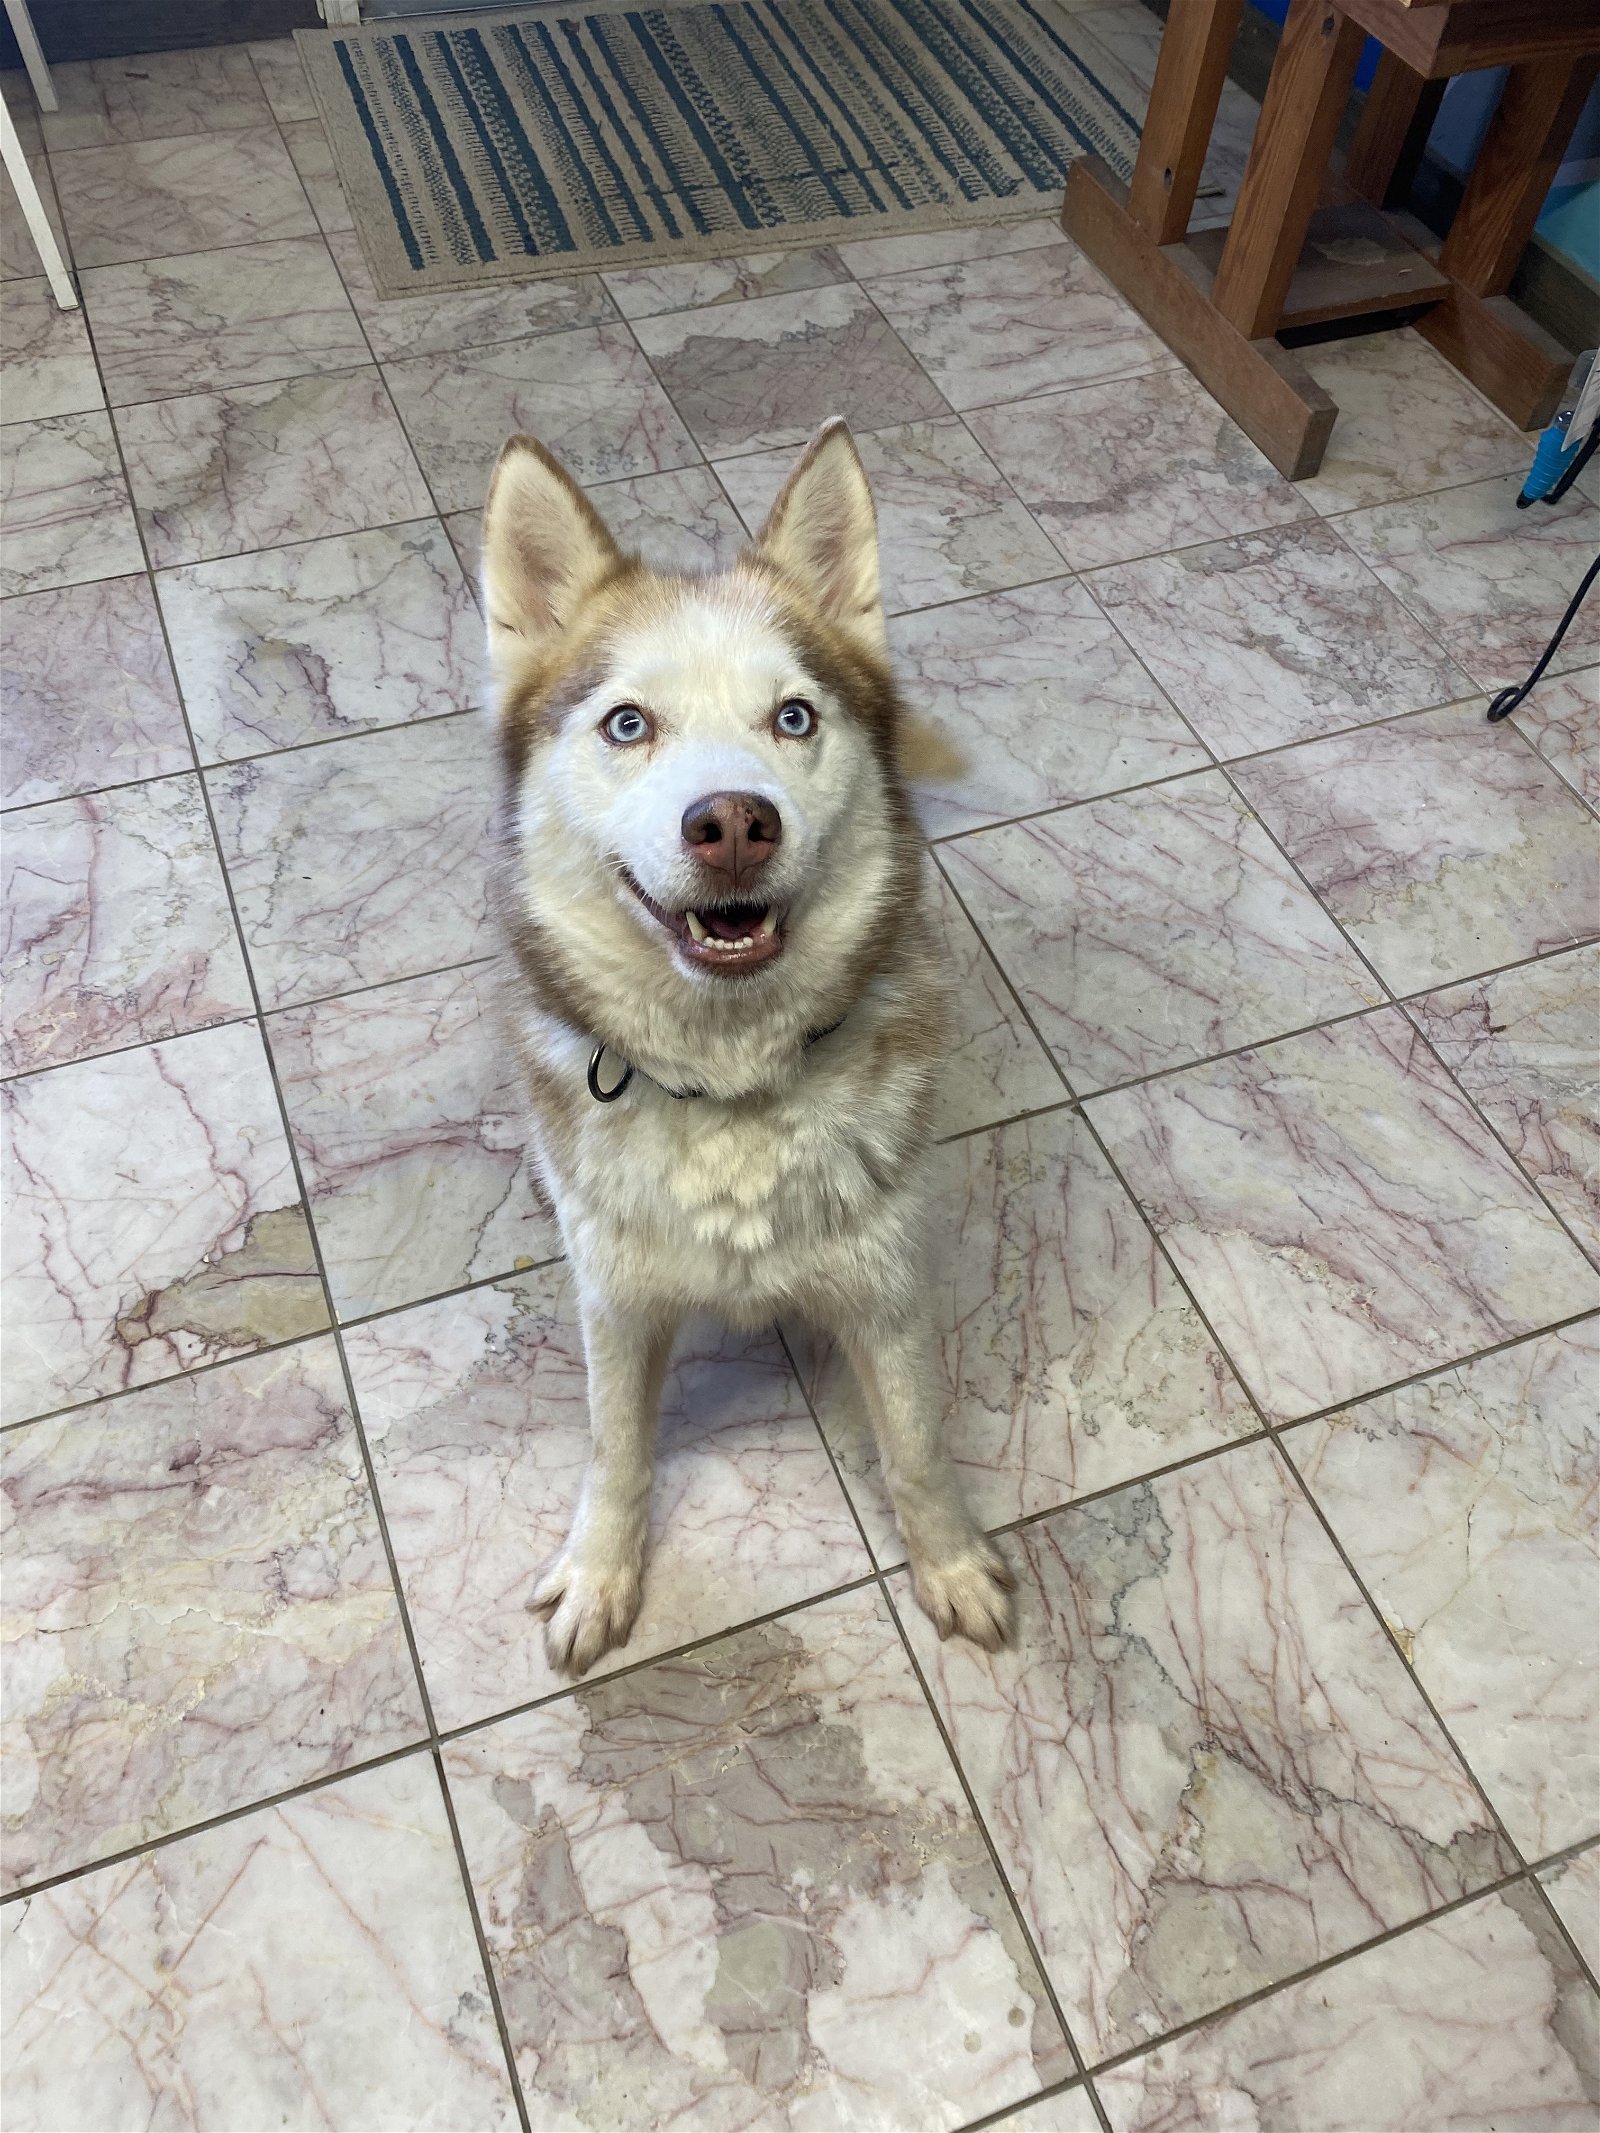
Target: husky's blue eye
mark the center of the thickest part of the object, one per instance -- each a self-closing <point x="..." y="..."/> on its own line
<point x="626" y="725"/>
<point x="796" y="720"/>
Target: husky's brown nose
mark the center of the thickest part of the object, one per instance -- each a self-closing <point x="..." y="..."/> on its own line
<point x="732" y="833"/>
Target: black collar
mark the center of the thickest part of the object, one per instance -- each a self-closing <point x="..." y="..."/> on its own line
<point x="603" y="1095"/>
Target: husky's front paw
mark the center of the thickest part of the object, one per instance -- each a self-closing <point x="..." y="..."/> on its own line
<point x="968" y="1594"/>
<point x="591" y="1609"/>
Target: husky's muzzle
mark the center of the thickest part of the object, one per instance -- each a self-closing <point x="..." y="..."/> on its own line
<point x="730" y="836"/>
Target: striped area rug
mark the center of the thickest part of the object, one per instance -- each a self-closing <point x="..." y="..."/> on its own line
<point x="532" y="142"/>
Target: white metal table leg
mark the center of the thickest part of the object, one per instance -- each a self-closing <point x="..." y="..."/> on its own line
<point x="32" y="58"/>
<point x="44" y="237"/>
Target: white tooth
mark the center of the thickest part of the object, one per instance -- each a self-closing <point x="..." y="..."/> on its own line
<point x="747" y="942"/>
<point x="769" y="925"/>
<point x="696" y="930"/>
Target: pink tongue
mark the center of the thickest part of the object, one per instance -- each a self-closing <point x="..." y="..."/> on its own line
<point x="729" y="925"/>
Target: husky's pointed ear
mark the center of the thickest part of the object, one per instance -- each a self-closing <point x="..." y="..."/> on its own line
<point x="545" y="548"/>
<point x="823" y="534"/>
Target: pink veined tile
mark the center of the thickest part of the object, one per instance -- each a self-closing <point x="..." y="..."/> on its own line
<point x="1562" y="720"/>
<point x="200" y="1610"/>
<point x="691" y="284"/>
<point x="1146" y="931"/>
<point x="1490" y="581"/>
<point x="1201" y="1762"/>
<point x="153" y="1220"/>
<point x="1470" y="1507"/>
<point x="1009" y="326"/>
<point x="1069" y="2111"/>
<point x="307" y="142"/>
<point x="116" y="925"/>
<point x="314" y="1963"/>
<point x="362" y="860"/>
<point x="1479" y="2019"/>
<point x="948" y="522"/>
<point x="282" y="75"/>
<point x="216" y="474"/>
<point x="87" y="697"/>
<point x="1573" y="1887"/>
<point x="323" y="638"/>
<point x="994" y="1066"/>
<point x="1134" y="467"/>
<point x="1041" y="702"/>
<point x="589" y="392"/>
<point x="64" y="508"/>
<point x="1522" y="1045"/>
<point x="1068" y="1358"/>
<point x="208" y="321"/>
<point x="464" y="318"/>
<point x="1442" y="844"/>
<point x="753" y="376"/>
<point x="476" y="1412"/>
<point x="868" y="256"/>
<point x="144" y="199"/>
<point x="1408" y="423"/>
<point x="1276" y="637"/>
<point x="152" y="96"/>
<point x="411" y="1120"/>
<point x="751" y="1872"/>
<point x="49" y="363"/>
<point x="1340" y="1213"/>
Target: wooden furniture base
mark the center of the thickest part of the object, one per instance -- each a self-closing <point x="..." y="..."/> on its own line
<point x="1219" y="298"/>
<point x="1267" y="391"/>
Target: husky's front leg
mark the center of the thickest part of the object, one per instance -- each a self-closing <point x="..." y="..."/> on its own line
<point x="591" y="1589"/>
<point x="959" y="1575"/>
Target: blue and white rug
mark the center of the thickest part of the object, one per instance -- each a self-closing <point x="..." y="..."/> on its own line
<point x="532" y="142"/>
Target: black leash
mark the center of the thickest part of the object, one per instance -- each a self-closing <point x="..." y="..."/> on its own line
<point x="603" y="1095"/>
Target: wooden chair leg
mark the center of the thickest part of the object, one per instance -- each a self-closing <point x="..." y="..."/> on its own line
<point x="1392" y="133"/>
<point x="1305" y="101"/>
<point x="1521" y="152"/>
<point x="1193" y="65"/>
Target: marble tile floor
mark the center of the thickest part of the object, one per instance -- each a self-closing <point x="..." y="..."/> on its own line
<point x="1266" y="1266"/>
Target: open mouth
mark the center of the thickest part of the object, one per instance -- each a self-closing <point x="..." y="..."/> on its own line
<point x="727" y="937"/>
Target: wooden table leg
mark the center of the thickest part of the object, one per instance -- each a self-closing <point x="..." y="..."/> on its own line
<point x="1193" y="65"/>
<point x="1391" y="133"/>
<point x="1510" y="358"/>
<point x="1520" y="155"/>
<point x="1306" y="96"/>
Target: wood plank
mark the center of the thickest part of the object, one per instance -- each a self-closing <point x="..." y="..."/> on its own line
<point x="1437" y="42"/>
<point x="1392" y="132"/>
<point x="1510" y="178"/>
<point x="1268" y="392"/>
<point x="1305" y="101"/>
<point x="1354" y="261"/>
<point x="1506" y="354"/>
<point x="1190" y="71"/>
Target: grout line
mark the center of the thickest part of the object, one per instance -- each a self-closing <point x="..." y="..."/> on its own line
<point x="464" y="1288"/>
<point x="250" y="1014"/>
<point x="369" y="1467"/>
<point x="1542" y="1895"/>
<point x="880" y="1584"/>
<point x="1498" y="1887"/>
<point x="490" y="1977"/>
<point x="380" y="1514"/>
<point x="26" y="1891"/>
<point x="1272" y="1433"/>
<point x="575" y="1685"/>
